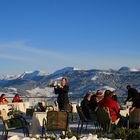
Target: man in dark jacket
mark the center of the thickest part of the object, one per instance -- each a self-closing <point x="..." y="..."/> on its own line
<point x="85" y="104"/>
<point x="62" y="91"/>
<point x="133" y="96"/>
<point x="132" y="93"/>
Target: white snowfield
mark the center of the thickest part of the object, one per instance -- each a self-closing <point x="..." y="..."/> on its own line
<point x="48" y="91"/>
<point x="94" y="78"/>
<point x="106" y="73"/>
<point x="88" y="137"/>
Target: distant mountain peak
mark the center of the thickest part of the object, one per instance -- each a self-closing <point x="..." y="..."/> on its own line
<point x="127" y="69"/>
<point x="9" y="77"/>
<point x="32" y="74"/>
<point x="65" y="69"/>
<point x="24" y="75"/>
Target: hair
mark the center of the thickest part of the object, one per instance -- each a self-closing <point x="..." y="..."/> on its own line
<point x="2" y="95"/>
<point x="107" y="93"/>
<point x="88" y="94"/>
<point x="128" y="86"/>
<point x="93" y="98"/>
<point x="16" y="95"/>
<point x="64" y="78"/>
<point x="114" y="97"/>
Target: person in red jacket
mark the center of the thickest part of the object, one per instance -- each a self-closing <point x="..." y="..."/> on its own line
<point x="16" y="99"/>
<point x="112" y="105"/>
<point x="3" y="99"/>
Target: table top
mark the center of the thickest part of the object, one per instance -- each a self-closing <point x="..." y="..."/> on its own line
<point x="125" y="112"/>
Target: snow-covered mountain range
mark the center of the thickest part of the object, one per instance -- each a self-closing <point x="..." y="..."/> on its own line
<point x="25" y="75"/>
<point x="37" y="83"/>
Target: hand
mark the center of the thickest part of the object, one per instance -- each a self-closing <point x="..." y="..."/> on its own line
<point x="60" y="86"/>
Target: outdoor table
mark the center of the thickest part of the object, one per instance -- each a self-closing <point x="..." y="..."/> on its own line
<point x="37" y="122"/>
<point x="20" y="106"/>
<point x="5" y="106"/>
<point x="125" y="112"/>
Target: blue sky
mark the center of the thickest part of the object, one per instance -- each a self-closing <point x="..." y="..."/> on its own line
<point x="48" y="35"/>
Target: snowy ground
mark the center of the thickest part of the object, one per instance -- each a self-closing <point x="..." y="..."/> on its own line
<point x="72" y="126"/>
<point x="86" y="134"/>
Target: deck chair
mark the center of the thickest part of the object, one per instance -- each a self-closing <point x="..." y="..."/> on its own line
<point x="103" y="117"/>
<point x="56" y="121"/>
<point x="83" y="120"/>
<point x="68" y="108"/>
<point x="11" y="123"/>
<point x="134" y="119"/>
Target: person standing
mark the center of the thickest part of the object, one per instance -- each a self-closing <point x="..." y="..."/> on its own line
<point x="62" y="91"/>
<point x="132" y="94"/>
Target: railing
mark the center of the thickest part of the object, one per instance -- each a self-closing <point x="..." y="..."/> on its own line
<point x="50" y="100"/>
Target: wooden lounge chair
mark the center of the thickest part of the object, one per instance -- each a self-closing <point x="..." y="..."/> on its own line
<point x="103" y="117"/>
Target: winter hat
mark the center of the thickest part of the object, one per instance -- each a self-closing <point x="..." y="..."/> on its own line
<point x="99" y="94"/>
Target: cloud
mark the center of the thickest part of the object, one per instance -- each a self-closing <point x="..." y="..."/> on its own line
<point x="20" y="56"/>
<point x="28" y="56"/>
<point x="22" y="52"/>
<point x="12" y="57"/>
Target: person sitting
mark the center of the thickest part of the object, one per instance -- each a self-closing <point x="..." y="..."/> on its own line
<point x="41" y="107"/>
<point x="93" y="102"/>
<point x="99" y="96"/>
<point x="113" y="106"/>
<point x="3" y="99"/>
<point x="16" y="99"/>
<point x="114" y="97"/>
<point x="112" y="94"/>
<point x="85" y="105"/>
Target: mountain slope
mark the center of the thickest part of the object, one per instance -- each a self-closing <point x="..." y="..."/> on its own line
<point x="80" y="81"/>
